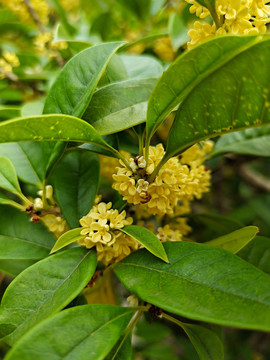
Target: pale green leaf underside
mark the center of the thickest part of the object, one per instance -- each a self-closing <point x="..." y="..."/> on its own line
<point x="43" y="289"/>
<point x="147" y="239"/>
<point x="233" y="96"/>
<point x="8" y="176"/>
<point x="236" y="240"/>
<point x="119" y="106"/>
<point x="254" y="142"/>
<point x="202" y="283"/>
<point x="84" y="332"/>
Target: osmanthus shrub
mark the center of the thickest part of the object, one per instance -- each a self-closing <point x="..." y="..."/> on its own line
<point x="133" y="219"/>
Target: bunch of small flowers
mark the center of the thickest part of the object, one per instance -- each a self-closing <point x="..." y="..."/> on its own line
<point x="234" y="17"/>
<point x="100" y="229"/>
<point x="7" y="62"/>
<point x="174" y="182"/>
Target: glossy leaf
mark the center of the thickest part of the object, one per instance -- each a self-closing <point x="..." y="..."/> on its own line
<point x="207" y="344"/>
<point x="9" y="112"/>
<point x="32" y="161"/>
<point x="119" y="106"/>
<point x="232" y="93"/>
<point x="67" y="238"/>
<point x="236" y="240"/>
<point x="201" y="283"/>
<point x="43" y="289"/>
<point x="22" y="243"/>
<point x="74" y="87"/>
<point x="50" y="128"/>
<point x="8" y="176"/>
<point x="254" y="142"/>
<point x="257" y="252"/>
<point x="142" y="66"/>
<point x="75" y="181"/>
<point x="83" y="332"/>
<point x="147" y="239"/>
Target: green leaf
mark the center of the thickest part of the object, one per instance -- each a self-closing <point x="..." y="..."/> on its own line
<point x="43" y="289"/>
<point x="254" y="142"/>
<point x="83" y="332"/>
<point x="217" y="225"/>
<point x="226" y="96"/>
<point x="67" y="238"/>
<point x="23" y="244"/>
<point x="32" y="161"/>
<point x="147" y="239"/>
<point x="9" y="112"/>
<point x="257" y="252"/>
<point x="142" y="66"/>
<point x="8" y="176"/>
<point x="178" y="30"/>
<point x="74" y="87"/>
<point x="122" y="349"/>
<point x="196" y="70"/>
<point x="119" y="106"/>
<point x="201" y="283"/>
<point x="207" y="344"/>
<point x="50" y="128"/>
<point x="236" y="240"/>
<point x="75" y="181"/>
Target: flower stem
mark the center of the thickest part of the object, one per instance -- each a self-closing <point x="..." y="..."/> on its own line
<point x="158" y="167"/>
<point x="213" y="13"/>
<point x="172" y="319"/>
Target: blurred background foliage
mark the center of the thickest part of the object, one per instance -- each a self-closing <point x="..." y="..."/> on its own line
<point x="38" y="37"/>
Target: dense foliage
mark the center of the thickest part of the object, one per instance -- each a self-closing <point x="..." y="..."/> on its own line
<point x="134" y="145"/>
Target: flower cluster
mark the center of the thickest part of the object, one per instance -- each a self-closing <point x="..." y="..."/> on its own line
<point x="7" y="63"/>
<point x="21" y="9"/>
<point x="175" y="181"/>
<point x="100" y="229"/>
<point x="235" y="16"/>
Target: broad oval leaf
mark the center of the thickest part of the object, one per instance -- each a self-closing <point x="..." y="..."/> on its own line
<point x="74" y="87"/>
<point x="43" y="289"/>
<point x="206" y="342"/>
<point x="9" y="112"/>
<point x="83" y="332"/>
<point x="122" y="349"/>
<point x="32" y="161"/>
<point x="8" y="176"/>
<point x="75" y="181"/>
<point x="188" y="71"/>
<point x="201" y="283"/>
<point x="119" y="106"/>
<point x="228" y="96"/>
<point x="147" y="239"/>
<point x="257" y="252"/>
<point x="142" y="66"/>
<point x="67" y="238"/>
<point x="254" y="142"/>
<point x="236" y="240"/>
<point x="23" y="244"/>
<point x="50" y="128"/>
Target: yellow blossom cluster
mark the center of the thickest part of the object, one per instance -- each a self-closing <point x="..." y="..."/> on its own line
<point x="56" y="224"/>
<point x="70" y="5"/>
<point x="176" y="181"/>
<point x="38" y="7"/>
<point x="7" y="63"/>
<point x="235" y="17"/>
<point x="100" y="229"/>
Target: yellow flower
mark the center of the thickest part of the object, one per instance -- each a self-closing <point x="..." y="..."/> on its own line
<point x="56" y="224"/>
<point x="41" y="41"/>
<point x="100" y="229"/>
<point x="174" y="182"/>
<point x="198" y="9"/>
<point x="19" y="7"/>
<point x="165" y="233"/>
<point x="163" y="48"/>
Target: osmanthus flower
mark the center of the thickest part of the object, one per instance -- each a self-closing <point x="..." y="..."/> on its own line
<point x="174" y="182"/>
<point x="19" y="7"/>
<point x="56" y="224"/>
<point x="236" y="17"/>
<point x="100" y="228"/>
<point x="198" y="9"/>
<point x="7" y="63"/>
